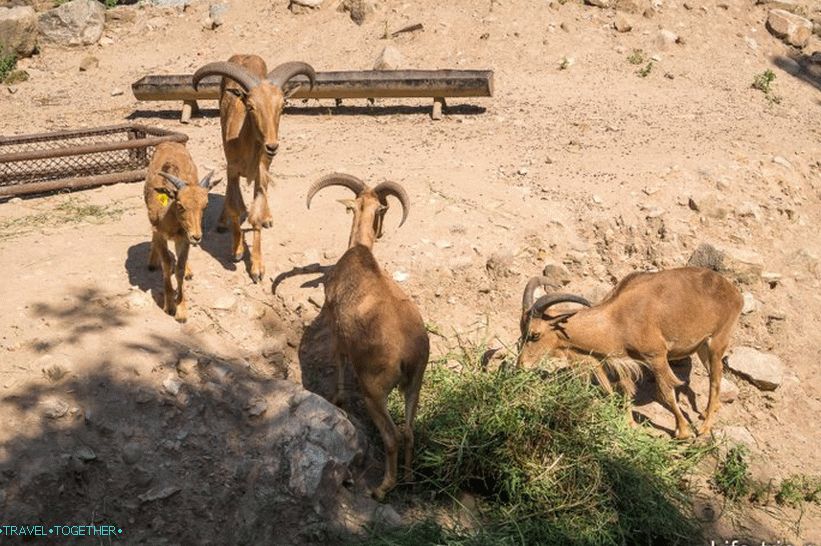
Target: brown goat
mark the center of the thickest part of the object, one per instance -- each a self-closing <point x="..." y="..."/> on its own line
<point x="251" y="104"/>
<point x="375" y="325"/>
<point x="648" y="317"/>
<point x="175" y="203"/>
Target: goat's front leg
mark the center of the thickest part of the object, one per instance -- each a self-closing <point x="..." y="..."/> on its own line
<point x="231" y="217"/>
<point x="666" y="381"/>
<point x="257" y="219"/>
<point x="160" y="244"/>
<point x="154" y="259"/>
<point x="182" y="248"/>
<point x="267" y="218"/>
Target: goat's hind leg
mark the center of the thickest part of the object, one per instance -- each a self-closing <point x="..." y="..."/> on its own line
<point x="711" y="353"/>
<point x="377" y="404"/>
<point x="411" y="404"/>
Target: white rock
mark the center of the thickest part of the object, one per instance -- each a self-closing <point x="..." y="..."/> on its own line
<point x="792" y="29"/>
<point x="764" y="370"/>
<point x="666" y="38"/>
<point x="54" y="408"/>
<point x="308" y="3"/>
<point x="172" y="384"/>
<point x="400" y="276"/>
<point x="224" y="303"/>
<point x="728" y="391"/>
<point x="18" y="30"/>
<point x="739" y="435"/>
<point x="75" y="23"/>
<point x="389" y="59"/>
<point x="117" y="92"/>
<point x="750" y="303"/>
<point x="778" y="160"/>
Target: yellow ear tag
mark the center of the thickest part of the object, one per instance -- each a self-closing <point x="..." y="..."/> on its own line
<point x="163" y="199"/>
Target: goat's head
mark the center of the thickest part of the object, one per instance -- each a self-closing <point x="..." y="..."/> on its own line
<point x="189" y="202"/>
<point x="542" y="332"/>
<point x="264" y="99"/>
<point x="369" y="206"/>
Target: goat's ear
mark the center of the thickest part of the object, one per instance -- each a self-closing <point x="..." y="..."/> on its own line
<point x="236" y="91"/>
<point x="349" y="203"/>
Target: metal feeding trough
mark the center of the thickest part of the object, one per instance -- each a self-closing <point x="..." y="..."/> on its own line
<point x="78" y="158"/>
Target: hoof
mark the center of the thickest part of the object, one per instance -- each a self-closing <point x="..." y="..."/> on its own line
<point x="180" y="318"/>
<point x="268" y="224"/>
<point x="704" y="430"/>
<point x="683" y="435"/>
<point x="238" y="256"/>
<point x="256" y="277"/>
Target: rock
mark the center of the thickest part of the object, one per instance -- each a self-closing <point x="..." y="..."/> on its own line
<point x="158" y="493"/>
<point x="121" y="14"/>
<point x="500" y="265"/>
<point x="54" y="408"/>
<point x="216" y="13"/>
<point x="622" y="23"/>
<point x="18" y="30"/>
<point x="778" y="160"/>
<point x="172" y="3"/>
<point x="85" y="454"/>
<point x="710" y="205"/>
<point x="786" y="5"/>
<point x="738" y="435"/>
<point x="744" y="265"/>
<point x="729" y="391"/>
<point x="666" y="38"/>
<point x="117" y="92"/>
<point x="187" y="366"/>
<point x="75" y="23"/>
<point x="257" y="407"/>
<point x="389" y="59"/>
<point x="131" y="453"/>
<point x="792" y="29"/>
<point x="89" y="62"/>
<point x="750" y="303"/>
<point x="557" y="274"/>
<point x="137" y="299"/>
<point x="172" y="384"/>
<point x="634" y="6"/>
<point x="302" y="6"/>
<point x="600" y="3"/>
<point x="224" y="303"/>
<point x="359" y="10"/>
<point x="764" y="370"/>
<point x="400" y="276"/>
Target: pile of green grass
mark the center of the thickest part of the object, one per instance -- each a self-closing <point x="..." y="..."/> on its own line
<point x="552" y="460"/>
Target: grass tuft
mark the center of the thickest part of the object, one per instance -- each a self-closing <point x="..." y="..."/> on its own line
<point x="763" y="82"/>
<point x="732" y="477"/>
<point x="72" y="210"/>
<point x="551" y="459"/>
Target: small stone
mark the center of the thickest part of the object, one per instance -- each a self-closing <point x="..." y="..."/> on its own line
<point x="443" y="244"/>
<point x="224" y="303"/>
<point x="565" y="26"/>
<point x="300" y="6"/>
<point x="359" y="10"/>
<point x="739" y="435"/>
<point x="728" y="391"/>
<point x="764" y="370"/>
<point x="389" y="59"/>
<point x="172" y="384"/>
<point x="137" y="299"/>
<point x="792" y="29"/>
<point x="557" y="274"/>
<point x="131" y="453"/>
<point x="216" y="13"/>
<point x="85" y="454"/>
<point x="106" y="41"/>
<point x="158" y="493"/>
<point x="751" y="43"/>
<point x="750" y="303"/>
<point x="600" y="3"/>
<point x="778" y="160"/>
<point x="666" y="38"/>
<point x="786" y="5"/>
<point x="522" y="171"/>
<point x="89" y="62"/>
<point x="117" y="92"/>
<point x="54" y="408"/>
<point x="500" y="264"/>
<point x="622" y="23"/>
<point x="597" y="199"/>
<point x="187" y="366"/>
<point x="400" y="276"/>
<point x="257" y="407"/>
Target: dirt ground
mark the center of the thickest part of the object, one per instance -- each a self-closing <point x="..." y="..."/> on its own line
<point x="590" y="166"/>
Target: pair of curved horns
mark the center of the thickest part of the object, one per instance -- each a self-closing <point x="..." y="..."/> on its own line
<point x="540" y="306"/>
<point x="279" y="76"/>
<point x="179" y="183"/>
<point x="358" y="186"/>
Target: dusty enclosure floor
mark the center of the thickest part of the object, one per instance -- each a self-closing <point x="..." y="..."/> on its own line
<point x="590" y="166"/>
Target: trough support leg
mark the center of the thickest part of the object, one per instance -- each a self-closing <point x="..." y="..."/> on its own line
<point x="438" y="106"/>
<point x="189" y="108"/>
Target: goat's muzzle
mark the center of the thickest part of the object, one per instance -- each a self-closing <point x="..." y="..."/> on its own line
<point x="195" y="240"/>
<point x="271" y="150"/>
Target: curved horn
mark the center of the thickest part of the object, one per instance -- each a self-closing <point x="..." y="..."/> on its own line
<point x="206" y="182"/>
<point x="550" y="300"/>
<point x="178" y="182"/>
<point x="530" y="288"/>
<point x="392" y="188"/>
<point x="336" y="179"/>
<point x="280" y="75"/>
<point x="229" y="70"/>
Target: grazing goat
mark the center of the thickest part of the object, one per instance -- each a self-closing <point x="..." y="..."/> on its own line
<point x="251" y="104"/>
<point x="375" y="325"/>
<point x="175" y="202"/>
<point x="647" y="317"/>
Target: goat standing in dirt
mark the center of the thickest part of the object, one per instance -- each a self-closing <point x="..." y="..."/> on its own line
<point x="175" y="202"/>
<point x="376" y="326"/>
<point x="251" y="104"/>
<point x="647" y="317"/>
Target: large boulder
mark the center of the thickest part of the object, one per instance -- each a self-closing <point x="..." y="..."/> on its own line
<point x="75" y="23"/>
<point x="764" y="370"/>
<point x="792" y="29"/>
<point x="18" y="30"/>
